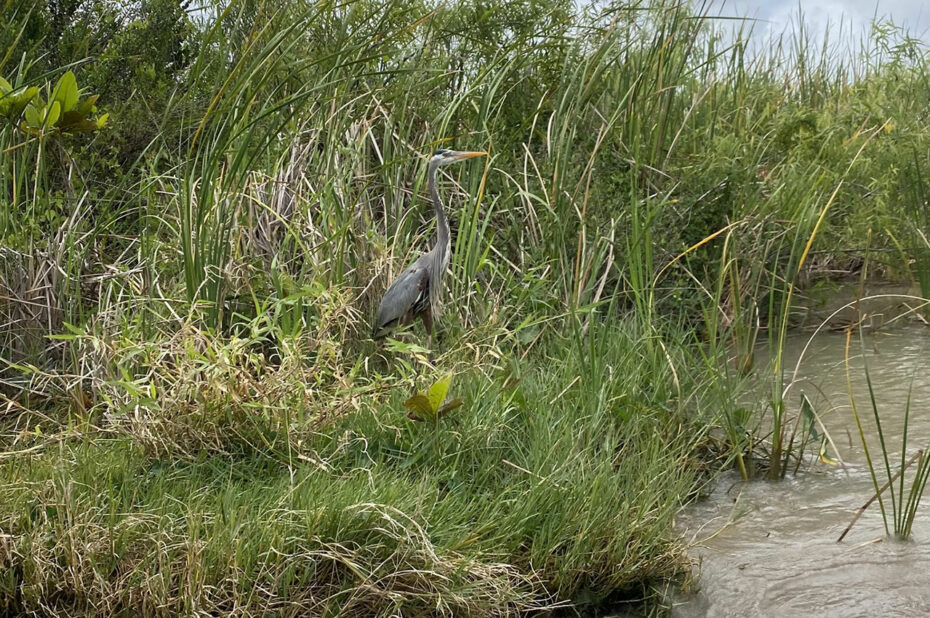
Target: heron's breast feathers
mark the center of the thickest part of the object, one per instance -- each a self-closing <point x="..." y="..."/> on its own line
<point x="407" y="297"/>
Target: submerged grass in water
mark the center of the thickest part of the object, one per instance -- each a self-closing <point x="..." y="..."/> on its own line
<point x="903" y="509"/>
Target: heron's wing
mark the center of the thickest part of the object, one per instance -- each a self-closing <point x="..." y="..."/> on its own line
<point x="409" y="291"/>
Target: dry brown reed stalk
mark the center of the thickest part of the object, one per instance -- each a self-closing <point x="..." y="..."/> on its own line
<point x="29" y="304"/>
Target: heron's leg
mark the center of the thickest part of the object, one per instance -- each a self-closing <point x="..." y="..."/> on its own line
<point x="428" y="323"/>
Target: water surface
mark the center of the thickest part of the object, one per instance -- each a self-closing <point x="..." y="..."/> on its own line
<point x="767" y="549"/>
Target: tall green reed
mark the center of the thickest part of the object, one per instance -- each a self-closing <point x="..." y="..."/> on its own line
<point x="296" y="172"/>
<point x="904" y="499"/>
<point x="920" y="233"/>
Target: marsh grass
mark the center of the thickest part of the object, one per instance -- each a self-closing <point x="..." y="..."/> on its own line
<point x="905" y="491"/>
<point x="920" y="218"/>
<point x="476" y="515"/>
<point x="193" y="419"/>
<point x="903" y="510"/>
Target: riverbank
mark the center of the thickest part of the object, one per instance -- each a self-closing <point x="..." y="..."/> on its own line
<point x="203" y="210"/>
<point x="554" y="486"/>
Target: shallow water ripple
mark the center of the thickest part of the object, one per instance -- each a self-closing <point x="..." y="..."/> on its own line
<point x="769" y="549"/>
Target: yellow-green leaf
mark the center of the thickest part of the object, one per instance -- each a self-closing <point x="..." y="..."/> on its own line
<point x="419" y="405"/>
<point x="34" y="116"/>
<point x="54" y="112"/>
<point x="87" y="106"/>
<point x="5" y="86"/>
<point x="438" y="391"/>
<point x="66" y="91"/>
<point x="824" y="457"/>
<point x="32" y="96"/>
<point x="13" y="104"/>
<point x="102" y="121"/>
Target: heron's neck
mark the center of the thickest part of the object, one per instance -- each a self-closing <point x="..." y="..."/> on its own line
<point x="442" y="224"/>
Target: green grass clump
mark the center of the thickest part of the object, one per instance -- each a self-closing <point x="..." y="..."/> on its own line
<point x="562" y="485"/>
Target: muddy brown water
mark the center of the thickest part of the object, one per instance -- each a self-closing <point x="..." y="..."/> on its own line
<point x="769" y="549"/>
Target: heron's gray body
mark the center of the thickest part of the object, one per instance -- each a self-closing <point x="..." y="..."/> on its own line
<point x="408" y="297"/>
<point x="416" y="292"/>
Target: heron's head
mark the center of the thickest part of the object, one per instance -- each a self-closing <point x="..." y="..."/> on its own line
<point x="444" y="157"/>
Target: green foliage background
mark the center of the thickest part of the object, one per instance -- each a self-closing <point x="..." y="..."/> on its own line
<point x="185" y="293"/>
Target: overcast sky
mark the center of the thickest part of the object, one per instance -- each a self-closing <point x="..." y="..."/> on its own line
<point x="855" y="15"/>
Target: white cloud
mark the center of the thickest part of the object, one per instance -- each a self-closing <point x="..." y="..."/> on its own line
<point x="846" y="20"/>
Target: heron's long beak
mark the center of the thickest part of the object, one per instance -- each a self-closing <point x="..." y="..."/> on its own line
<point x="461" y="156"/>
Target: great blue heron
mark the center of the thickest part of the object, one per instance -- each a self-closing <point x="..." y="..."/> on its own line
<point x="415" y="293"/>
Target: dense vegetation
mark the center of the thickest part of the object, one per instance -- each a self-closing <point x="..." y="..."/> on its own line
<point x="192" y="417"/>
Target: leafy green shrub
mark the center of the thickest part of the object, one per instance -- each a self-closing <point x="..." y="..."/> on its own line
<point x="61" y="112"/>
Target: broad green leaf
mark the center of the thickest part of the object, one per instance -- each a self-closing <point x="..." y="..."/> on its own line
<point x="75" y="122"/>
<point x="54" y="112"/>
<point x="61" y="337"/>
<point x="70" y="120"/>
<point x="66" y="91"/>
<point x="84" y="126"/>
<point x="419" y="407"/>
<point x="14" y="103"/>
<point x="87" y="107"/>
<point x="438" y="391"/>
<point x="432" y="405"/>
<point x="5" y="87"/>
<point x="34" y="116"/>
<point x="74" y="330"/>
